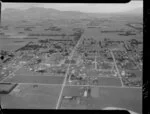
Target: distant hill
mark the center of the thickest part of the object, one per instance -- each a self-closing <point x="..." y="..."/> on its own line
<point x="49" y="13"/>
<point x="40" y="13"/>
<point x="137" y="11"/>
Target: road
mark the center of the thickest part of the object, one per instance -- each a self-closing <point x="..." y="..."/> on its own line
<point x="116" y="67"/>
<point x="65" y="79"/>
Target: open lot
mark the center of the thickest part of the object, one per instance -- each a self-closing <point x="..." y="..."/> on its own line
<point x="25" y="72"/>
<point x="128" y="98"/>
<point x="31" y="96"/>
<point x="109" y="81"/>
<point x="35" y="79"/>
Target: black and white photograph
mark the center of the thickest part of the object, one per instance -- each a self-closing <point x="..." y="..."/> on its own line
<point x="74" y="56"/>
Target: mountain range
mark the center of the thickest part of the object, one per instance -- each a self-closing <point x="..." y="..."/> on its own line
<point x="49" y="13"/>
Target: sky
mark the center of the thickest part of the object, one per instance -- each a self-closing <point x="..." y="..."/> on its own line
<point x="82" y="7"/>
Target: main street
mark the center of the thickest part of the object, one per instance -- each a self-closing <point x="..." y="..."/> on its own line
<point x="65" y="79"/>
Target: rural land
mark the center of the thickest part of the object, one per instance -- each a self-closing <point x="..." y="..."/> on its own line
<point x="71" y="60"/>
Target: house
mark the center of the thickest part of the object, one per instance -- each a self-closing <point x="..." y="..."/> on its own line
<point x="123" y="73"/>
<point x="85" y="93"/>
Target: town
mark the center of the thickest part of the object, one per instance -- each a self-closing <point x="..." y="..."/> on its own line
<point x="71" y="62"/>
